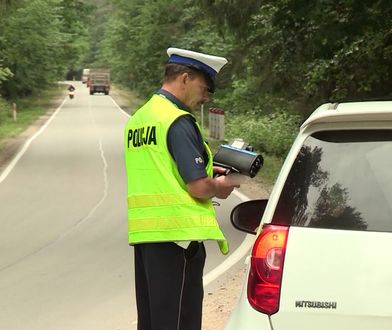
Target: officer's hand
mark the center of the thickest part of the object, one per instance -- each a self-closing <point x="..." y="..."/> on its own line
<point x="218" y="170"/>
<point x="224" y="186"/>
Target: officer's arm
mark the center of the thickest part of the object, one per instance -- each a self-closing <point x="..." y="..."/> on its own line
<point x="186" y="147"/>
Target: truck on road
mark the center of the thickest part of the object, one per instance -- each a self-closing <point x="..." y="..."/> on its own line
<point x="99" y="81"/>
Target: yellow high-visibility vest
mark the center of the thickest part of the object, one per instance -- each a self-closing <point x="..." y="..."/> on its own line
<point x="159" y="207"/>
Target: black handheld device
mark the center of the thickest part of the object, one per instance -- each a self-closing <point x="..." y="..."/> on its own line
<point x="238" y="157"/>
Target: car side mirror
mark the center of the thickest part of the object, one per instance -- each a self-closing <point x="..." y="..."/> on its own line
<point x="246" y="216"/>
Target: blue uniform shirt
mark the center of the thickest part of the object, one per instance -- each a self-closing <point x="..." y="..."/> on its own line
<point x="185" y="144"/>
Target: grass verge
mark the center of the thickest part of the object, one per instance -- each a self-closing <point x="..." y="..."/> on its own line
<point x="29" y="109"/>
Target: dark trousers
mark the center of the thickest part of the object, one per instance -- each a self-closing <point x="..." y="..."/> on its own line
<point x="169" y="286"/>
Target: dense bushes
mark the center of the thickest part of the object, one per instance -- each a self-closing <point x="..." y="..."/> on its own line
<point x="272" y="134"/>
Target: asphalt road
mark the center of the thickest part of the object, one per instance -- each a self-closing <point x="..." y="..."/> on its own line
<point x="64" y="258"/>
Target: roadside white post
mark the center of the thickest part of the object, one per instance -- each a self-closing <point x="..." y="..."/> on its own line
<point x="14" y="112"/>
<point x="217" y="123"/>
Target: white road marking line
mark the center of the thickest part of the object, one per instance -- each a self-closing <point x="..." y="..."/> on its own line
<point x="119" y="108"/>
<point x="233" y="258"/>
<point x="19" y="155"/>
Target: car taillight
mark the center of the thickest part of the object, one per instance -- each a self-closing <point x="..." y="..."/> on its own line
<point x="266" y="269"/>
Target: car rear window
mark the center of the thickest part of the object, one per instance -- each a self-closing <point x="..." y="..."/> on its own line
<point x="340" y="180"/>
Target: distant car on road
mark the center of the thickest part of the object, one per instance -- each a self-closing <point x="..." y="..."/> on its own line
<point x="323" y="248"/>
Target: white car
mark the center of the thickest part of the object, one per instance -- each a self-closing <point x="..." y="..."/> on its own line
<point x="322" y="256"/>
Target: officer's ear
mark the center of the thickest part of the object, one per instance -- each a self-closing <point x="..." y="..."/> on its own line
<point x="185" y="77"/>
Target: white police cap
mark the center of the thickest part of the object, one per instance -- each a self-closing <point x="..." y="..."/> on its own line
<point x="208" y="64"/>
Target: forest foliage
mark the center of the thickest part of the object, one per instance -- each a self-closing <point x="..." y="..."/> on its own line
<point x="40" y="41"/>
<point x="286" y="57"/>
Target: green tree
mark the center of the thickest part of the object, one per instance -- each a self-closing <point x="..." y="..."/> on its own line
<point x="6" y="7"/>
<point x="40" y="40"/>
<point x="308" y="53"/>
<point x="32" y="38"/>
<point x="75" y="22"/>
<point x="139" y="32"/>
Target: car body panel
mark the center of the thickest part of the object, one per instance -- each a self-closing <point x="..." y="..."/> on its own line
<point x="350" y="112"/>
<point x="335" y="283"/>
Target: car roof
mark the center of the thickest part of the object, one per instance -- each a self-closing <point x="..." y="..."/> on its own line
<point x="350" y="112"/>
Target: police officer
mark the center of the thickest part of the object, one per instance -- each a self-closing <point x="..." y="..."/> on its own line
<point x="170" y="185"/>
